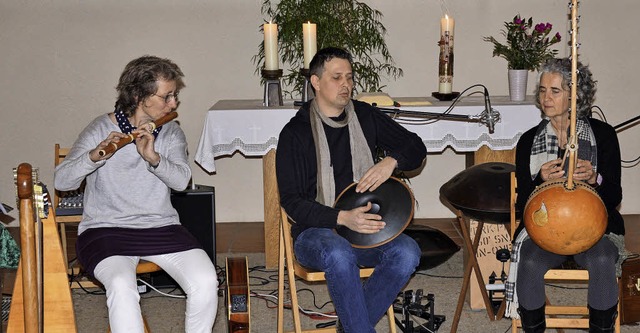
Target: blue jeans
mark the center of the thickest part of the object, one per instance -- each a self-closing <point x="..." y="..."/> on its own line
<point x="358" y="305"/>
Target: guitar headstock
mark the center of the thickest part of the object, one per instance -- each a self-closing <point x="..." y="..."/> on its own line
<point x="28" y="186"/>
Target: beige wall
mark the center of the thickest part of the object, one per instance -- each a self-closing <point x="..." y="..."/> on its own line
<point x="60" y="61"/>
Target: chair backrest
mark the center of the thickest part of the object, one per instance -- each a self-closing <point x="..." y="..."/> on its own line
<point x="60" y="153"/>
<point x="299" y="270"/>
<point x="512" y="205"/>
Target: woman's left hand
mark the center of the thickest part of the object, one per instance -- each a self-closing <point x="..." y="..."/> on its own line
<point x="584" y="172"/>
<point x="377" y="174"/>
<point x="145" y="145"/>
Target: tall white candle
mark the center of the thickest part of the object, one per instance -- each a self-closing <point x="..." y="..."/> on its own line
<point x="270" y="46"/>
<point x="309" y="42"/>
<point x="445" y="70"/>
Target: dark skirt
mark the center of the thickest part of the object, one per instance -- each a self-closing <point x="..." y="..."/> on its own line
<point x="96" y="244"/>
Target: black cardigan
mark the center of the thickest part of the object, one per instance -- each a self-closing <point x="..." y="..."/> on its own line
<point x="609" y="166"/>
<point x="296" y="167"/>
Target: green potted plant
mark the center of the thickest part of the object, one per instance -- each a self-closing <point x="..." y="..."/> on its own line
<point x="349" y="24"/>
<point x="527" y="47"/>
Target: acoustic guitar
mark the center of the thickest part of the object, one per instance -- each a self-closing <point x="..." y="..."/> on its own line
<point x="238" y="302"/>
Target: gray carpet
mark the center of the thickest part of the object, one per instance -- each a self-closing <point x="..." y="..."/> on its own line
<point x="165" y="314"/>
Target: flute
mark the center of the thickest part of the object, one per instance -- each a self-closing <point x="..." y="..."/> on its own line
<point x="113" y="146"/>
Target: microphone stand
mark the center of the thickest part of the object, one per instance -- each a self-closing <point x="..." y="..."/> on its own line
<point x="430" y="115"/>
<point x="488" y="116"/>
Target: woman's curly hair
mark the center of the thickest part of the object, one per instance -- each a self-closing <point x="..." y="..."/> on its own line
<point x="586" y="89"/>
<point x="139" y="81"/>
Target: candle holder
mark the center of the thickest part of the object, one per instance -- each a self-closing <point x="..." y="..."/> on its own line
<point x="445" y="69"/>
<point x="307" y="89"/>
<point x="272" y="87"/>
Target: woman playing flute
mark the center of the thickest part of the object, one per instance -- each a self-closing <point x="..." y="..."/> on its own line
<point x="127" y="209"/>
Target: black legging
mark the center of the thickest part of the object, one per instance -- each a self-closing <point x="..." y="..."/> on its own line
<point x="599" y="260"/>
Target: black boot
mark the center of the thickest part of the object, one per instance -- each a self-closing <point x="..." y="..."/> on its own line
<point x="602" y="321"/>
<point x="532" y="320"/>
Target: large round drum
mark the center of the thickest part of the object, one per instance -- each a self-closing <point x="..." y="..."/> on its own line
<point x="393" y="200"/>
<point x="565" y="221"/>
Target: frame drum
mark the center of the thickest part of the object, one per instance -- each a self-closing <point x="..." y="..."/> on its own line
<point x="393" y="200"/>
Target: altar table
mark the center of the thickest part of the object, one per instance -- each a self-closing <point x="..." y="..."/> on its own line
<point x="247" y="127"/>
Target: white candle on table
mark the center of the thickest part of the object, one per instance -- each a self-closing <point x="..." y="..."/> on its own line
<point x="309" y="42"/>
<point x="270" y="46"/>
<point x="445" y="71"/>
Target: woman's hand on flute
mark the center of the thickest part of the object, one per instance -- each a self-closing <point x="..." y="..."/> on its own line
<point x="145" y="145"/>
<point x="113" y="138"/>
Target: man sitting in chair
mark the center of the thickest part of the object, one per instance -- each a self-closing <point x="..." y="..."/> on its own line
<point x="329" y="144"/>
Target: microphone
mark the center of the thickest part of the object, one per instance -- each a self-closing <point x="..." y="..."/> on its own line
<point x="489" y="116"/>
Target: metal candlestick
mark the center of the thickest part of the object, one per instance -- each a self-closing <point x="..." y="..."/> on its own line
<point x="272" y="87"/>
<point x="307" y="89"/>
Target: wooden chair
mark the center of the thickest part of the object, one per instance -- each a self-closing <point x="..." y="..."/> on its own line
<point x="558" y="316"/>
<point x="295" y="269"/>
<point x="59" y="155"/>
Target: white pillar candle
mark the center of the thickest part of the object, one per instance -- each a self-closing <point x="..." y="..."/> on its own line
<point x="270" y="46"/>
<point x="309" y="42"/>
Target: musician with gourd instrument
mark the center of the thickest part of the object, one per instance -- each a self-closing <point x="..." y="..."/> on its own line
<point x="128" y="214"/>
<point x="540" y="160"/>
<point x="329" y="144"/>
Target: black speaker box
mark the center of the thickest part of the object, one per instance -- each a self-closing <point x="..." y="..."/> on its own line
<point x="436" y="246"/>
<point x="196" y="208"/>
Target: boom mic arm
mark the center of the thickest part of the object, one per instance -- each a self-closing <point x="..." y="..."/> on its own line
<point x="488" y="116"/>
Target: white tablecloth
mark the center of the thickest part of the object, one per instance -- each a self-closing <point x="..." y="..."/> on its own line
<point x="245" y="126"/>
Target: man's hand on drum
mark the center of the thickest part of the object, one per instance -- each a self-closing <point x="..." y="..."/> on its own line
<point x="360" y="221"/>
<point x="376" y="175"/>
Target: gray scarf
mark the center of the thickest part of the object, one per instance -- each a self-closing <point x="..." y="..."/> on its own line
<point x="361" y="159"/>
<point x="545" y="145"/>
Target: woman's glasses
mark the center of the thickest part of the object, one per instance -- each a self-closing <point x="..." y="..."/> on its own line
<point x="168" y="97"/>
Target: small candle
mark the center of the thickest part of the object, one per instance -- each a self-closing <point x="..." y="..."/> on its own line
<point x="309" y="42"/>
<point x="270" y="46"/>
<point x="445" y="64"/>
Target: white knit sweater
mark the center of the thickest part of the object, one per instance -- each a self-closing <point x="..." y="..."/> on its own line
<point x="125" y="191"/>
